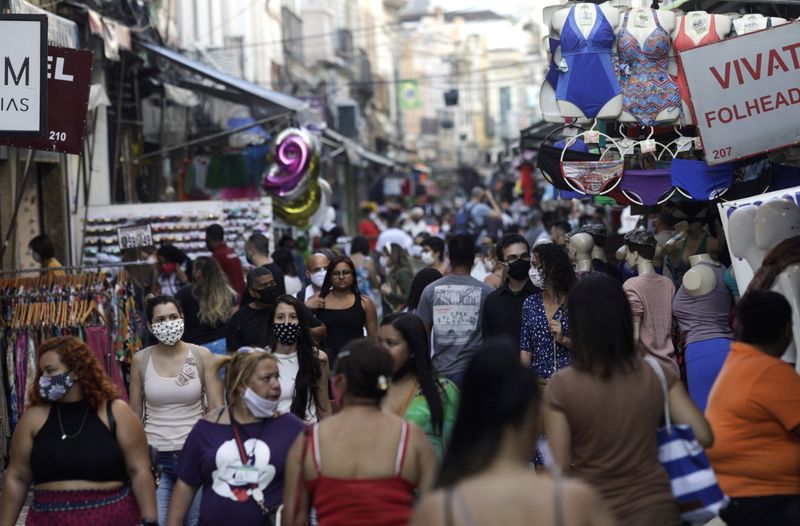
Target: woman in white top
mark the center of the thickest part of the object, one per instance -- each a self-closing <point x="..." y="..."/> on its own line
<point x="302" y="367"/>
<point x="169" y="382"/>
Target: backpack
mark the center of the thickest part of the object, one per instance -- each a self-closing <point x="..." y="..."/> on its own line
<point x="464" y="223"/>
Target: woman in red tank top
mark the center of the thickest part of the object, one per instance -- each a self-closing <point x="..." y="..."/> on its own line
<point x="362" y="465"/>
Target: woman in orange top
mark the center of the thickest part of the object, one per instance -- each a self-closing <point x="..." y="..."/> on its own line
<point x="754" y="410"/>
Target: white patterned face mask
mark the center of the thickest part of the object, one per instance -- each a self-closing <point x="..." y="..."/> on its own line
<point x="168" y="332"/>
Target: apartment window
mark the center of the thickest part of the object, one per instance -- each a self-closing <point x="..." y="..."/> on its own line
<point x="292" y="27"/>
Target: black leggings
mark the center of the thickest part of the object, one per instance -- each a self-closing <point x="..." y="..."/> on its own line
<point x="773" y="510"/>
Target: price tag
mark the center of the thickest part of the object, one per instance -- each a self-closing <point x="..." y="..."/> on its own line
<point x="684" y="144"/>
<point x="591" y="137"/>
<point x="698" y="143"/>
<point x="648" y="146"/>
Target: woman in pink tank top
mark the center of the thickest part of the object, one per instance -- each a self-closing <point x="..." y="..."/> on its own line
<point x="362" y="465"/>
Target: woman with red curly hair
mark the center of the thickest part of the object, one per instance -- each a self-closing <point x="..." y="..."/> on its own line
<point x="81" y="447"/>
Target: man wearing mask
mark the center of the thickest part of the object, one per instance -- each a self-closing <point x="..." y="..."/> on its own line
<point x="502" y="311"/>
<point x="316" y="268"/>
<point x="247" y="327"/>
<point x="226" y="257"/>
<point x="256" y="250"/>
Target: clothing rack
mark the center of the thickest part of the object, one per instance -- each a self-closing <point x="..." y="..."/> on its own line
<point x="114" y="264"/>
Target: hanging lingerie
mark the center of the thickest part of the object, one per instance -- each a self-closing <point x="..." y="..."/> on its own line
<point x="549" y="163"/>
<point x="784" y="176"/>
<point x="699" y="181"/>
<point x="588" y="81"/>
<point x="647" y="87"/>
<point x="552" y="72"/>
<point x="647" y="187"/>
<point x="592" y="177"/>
<point x="683" y="42"/>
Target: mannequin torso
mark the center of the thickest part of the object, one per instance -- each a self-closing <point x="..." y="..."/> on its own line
<point x="692" y="30"/>
<point x="788" y="284"/>
<point x="700" y="279"/>
<point x="586" y="20"/>
<point x="755" y="22"/>
<point x="742" y="236"/>
<point x="642" y="25"/>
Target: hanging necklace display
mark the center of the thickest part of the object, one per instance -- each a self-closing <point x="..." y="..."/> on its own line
<point x="591" y="177"/>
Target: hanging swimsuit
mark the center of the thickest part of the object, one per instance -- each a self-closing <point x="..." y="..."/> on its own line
<point x="549" y="163"/>
<point x="647" y="187"/>
<point x="683" y="42"/>
<point x="699" y="181"/>
<point x="592" y="177"/>
<point x="589" y="81"/>
<point x="647" y="87"/>
<point x="552" y="72"/>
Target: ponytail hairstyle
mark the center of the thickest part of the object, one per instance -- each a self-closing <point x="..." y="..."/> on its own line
<point x="412" y="329"/>
<point x="367" y="367"/>
<point x="310" y="368"/>
<point x="240" y="367"/>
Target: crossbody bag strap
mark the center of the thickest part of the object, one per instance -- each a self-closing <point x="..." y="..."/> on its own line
<point x="653" y="363"/>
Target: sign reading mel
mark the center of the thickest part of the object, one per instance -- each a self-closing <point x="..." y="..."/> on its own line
<point x="23" y="74"/>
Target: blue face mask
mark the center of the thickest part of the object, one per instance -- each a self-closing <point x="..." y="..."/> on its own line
<point x="53" y="388"/>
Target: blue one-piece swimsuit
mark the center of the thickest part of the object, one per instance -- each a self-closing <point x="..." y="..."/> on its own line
<point x="590" y="81"/>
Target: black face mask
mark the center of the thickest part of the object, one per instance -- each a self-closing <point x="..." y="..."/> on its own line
<point x="518" y="270"/>
<point x="268" y="295"/>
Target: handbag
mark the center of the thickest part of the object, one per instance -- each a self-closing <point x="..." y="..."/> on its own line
<point x="694" y="484"/>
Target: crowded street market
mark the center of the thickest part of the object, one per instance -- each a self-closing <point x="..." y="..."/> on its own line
<point x="399" y="262"/>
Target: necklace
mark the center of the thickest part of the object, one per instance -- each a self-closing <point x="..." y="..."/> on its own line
<point x="64" y="434"/>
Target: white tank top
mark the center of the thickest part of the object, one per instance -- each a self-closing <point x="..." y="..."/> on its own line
<point x="288" y="366"/>
<point x="172" y="405"/>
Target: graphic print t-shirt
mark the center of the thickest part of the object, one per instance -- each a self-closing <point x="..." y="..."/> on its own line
<point x="211" y="459"/>
<point x="453" y="307"/>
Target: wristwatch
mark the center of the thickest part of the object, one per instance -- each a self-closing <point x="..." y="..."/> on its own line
<point x="148" y="522"/>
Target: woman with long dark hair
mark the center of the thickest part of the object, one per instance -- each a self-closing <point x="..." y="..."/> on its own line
<point x="602" y="413"/>
<point x="417" y="392"/>
<point x="346" y="312"/>
<point x="303" y="368"/>
<point x="207" y="305"/>
<point x="361" y="466"/>
<point x="284" y="258"/>
<point x="423" y="278"/>
<point x="544" y="341"/>
<point x="485" y="478"/>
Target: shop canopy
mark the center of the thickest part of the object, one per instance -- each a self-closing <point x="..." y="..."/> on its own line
<point x="354" y="150"/>
<point x="236" y="89"/>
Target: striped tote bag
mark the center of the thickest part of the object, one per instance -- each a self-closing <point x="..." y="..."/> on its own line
<point x="694" y="484"/>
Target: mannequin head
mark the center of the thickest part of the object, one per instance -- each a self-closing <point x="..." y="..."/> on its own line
<point x="742" y="235"/>
<point x="580" y="246"/>
<point x="641" y="246"/>
<point x="775" y="221"/>
<point x="599" y="234"/>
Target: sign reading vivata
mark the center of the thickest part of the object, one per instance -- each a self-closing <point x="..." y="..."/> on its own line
<point x="746" y="92"/>
<point x="23" y="75"/>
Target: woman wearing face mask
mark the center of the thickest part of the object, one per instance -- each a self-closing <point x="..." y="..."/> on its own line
<point x="237" y="454"/>
<point x="170" y="382"/>
<point x="398" y="279"/>
<point x="433" y="254"/>
<point x="81" y="447"/>
<point x="207" y="305"/>
<point x="172" y="271"/>
<point x="544" y="342"/>
<point x="303" y="368"/>
<point x="346" y="313"/>
<point x="362" y="465"/>
<point x="417" y="392"/>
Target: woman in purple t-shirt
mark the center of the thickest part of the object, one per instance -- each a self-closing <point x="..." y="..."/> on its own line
<point x="238" y="453"/>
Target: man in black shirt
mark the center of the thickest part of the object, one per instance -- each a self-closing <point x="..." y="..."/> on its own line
<point x="256" y="250"/>
<point x="502" y="310"/>
<point x="248" y="326"/>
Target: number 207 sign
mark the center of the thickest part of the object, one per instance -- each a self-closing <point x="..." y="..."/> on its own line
<point x="746" y="92"/>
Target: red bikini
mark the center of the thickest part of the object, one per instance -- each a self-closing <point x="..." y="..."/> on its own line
<point x="683" y="42"/>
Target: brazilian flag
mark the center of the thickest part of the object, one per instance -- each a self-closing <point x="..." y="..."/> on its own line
<point x="408" y="91"/>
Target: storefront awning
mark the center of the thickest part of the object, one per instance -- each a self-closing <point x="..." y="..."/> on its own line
<point x="351" y="146"/>
<point x="60" y="31"/>
<point x="273" y="98"/>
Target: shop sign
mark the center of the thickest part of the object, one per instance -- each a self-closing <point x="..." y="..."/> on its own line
<point x="746" y="92"/>
<point x="136" y="236"/>
<point x="23" y="85"/>
<point x="69" y="79"/>
<point x="741" y="269"/>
